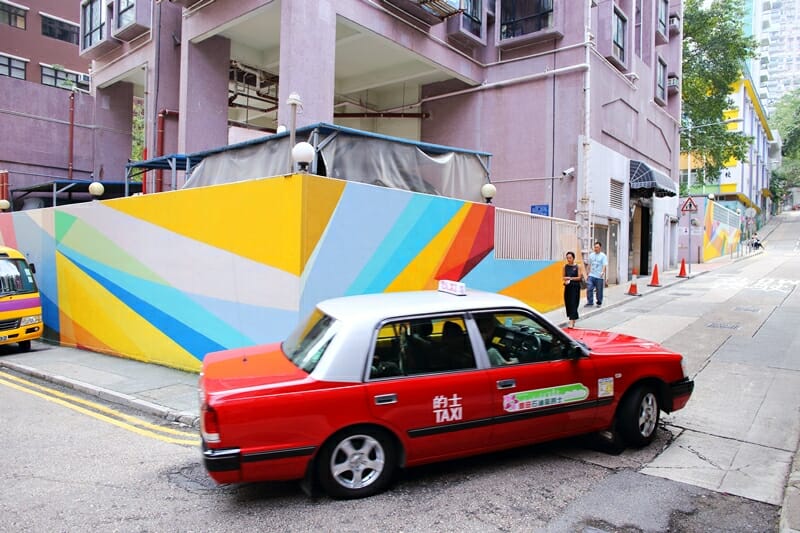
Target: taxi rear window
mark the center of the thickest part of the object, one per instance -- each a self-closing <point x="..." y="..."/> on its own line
<point x="308" y="342"/>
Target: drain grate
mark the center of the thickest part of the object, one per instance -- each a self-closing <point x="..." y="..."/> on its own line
<point x="682" y="294"/>
<point x="722" y="325"/>
<point x="747" y="309"/>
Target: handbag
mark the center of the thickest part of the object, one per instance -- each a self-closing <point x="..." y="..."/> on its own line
<point x="583" y="283"/>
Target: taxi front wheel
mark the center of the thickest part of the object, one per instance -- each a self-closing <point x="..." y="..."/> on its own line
<point x="357" y="463"/>
<point x="637" y="417"/>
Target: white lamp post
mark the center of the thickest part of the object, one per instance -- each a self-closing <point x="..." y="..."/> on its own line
<point x="294" y="102"/>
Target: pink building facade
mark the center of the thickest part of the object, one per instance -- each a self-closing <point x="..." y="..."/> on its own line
<point x="570" y="96"/>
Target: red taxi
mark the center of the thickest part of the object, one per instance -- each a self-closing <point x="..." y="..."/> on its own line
<point x="368" y="384"/>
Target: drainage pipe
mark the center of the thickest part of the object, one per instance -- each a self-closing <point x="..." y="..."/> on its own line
<point x="163" y="114"/>
<point x="70" y="153"/>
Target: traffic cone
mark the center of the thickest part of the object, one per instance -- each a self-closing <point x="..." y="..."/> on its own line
<point x="633" y="290"/>
<point x="654" y="280"/>
<point x="682" y="273"/>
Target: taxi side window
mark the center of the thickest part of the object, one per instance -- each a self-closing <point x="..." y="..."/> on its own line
<point x="422" y="346"/>
<point x="513" y="337"/>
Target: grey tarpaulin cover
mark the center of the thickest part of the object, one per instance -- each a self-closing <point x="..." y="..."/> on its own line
<point x="353" y="155"/>
<point x="646" y="181"/>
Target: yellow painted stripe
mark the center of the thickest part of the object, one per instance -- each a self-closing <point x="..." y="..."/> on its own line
<point x="66" y="400"/>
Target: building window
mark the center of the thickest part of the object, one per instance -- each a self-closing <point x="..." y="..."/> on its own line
<point x="473" y="16"/>
<point x="12" y="15"/>
<point x="661" y="80"/>
<point x="619" y="30"/>
<point x="60" y="29"/>
<point x="12" y="67"/>
<point x="663" y="16"/>
<point x="93" y="23"/>
<point x="126" y="12"/>
<point x="63" y="79"/>
<point x="521" y="17"/>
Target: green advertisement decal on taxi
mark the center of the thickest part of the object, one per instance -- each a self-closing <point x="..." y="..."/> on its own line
<point x="533" y="399"/>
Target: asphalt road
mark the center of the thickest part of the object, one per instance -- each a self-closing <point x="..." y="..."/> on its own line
<point x="70" y="464"/>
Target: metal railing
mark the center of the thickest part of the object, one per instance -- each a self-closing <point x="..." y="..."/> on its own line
<point x="519" y="235"/>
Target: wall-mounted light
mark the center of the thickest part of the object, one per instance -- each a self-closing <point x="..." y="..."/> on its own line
<point x="303" y="154"/>
<point x="488" y="191"/>
<point x="96" y="189"/>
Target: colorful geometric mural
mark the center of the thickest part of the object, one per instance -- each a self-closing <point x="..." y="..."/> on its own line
<point x="169" y="277"/>
<point x="719" y="238"/>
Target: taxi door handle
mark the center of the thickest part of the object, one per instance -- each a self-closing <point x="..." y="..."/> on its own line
<point x="506" y="384"/>
<point x="385" y="399"/>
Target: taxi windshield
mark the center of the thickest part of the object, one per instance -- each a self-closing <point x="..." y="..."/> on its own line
<point x="308" y="342"/>
<point x="15" y="277"/>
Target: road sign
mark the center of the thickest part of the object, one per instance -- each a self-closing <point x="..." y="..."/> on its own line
<point x="750" y="212"/>
<point x="689" y="206"/>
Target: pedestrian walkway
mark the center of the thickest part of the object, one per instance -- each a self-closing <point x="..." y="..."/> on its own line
<point x="172" y="394"/>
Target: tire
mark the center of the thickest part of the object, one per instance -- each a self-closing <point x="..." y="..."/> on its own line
<point x="24" y="346"/>
<point x="357" y="463"/>
<point x="637" y="417"/>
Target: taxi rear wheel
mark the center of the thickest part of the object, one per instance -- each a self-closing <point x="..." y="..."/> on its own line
<point x="357" y="463"/>
<point x="637" y="418"/>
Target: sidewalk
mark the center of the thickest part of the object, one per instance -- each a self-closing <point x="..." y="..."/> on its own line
<point x="172" y="394"/>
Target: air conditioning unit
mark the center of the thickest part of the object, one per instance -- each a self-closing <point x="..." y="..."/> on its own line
<point x="84" y="78"/>
<point x="674" y="24"/>
<point x="673" y="84"/>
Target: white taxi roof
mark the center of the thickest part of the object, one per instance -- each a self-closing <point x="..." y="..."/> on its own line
<point x="376" y="307"/>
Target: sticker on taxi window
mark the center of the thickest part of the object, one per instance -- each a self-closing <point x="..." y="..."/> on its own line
<point x="605" y="387"/>
<point x="447" y="409"/>
<point x="534" y="399"/>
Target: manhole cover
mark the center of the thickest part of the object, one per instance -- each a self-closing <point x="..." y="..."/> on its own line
<point x="722" y="325"/>
<point x="747" y="309"/>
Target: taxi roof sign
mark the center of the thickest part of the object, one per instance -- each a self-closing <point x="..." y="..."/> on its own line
<point x="689" y="206"/>
<point x="452" y="287"/>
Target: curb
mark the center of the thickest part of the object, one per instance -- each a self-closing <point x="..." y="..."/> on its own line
<point x="171" y="415"/>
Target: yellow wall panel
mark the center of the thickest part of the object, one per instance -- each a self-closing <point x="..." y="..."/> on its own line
<point x="84" y="302"/>
<point x="267" y="227"/>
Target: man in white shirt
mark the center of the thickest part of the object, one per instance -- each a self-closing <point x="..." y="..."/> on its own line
<point x="598" y="263"/>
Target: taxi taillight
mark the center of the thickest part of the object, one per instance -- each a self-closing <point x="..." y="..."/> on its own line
<point x="209" y="425"/>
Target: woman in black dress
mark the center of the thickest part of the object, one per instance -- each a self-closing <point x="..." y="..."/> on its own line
<point x="573" y="274"/>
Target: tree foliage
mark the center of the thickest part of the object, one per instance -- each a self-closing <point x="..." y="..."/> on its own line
<point x="715" y="49"/>
<point x="786" y="121"/>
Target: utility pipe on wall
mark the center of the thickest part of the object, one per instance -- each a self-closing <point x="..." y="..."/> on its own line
<point x="70" y="153"/>
<point x="163" y="114"/>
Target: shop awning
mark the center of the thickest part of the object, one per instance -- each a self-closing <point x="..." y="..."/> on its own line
<point x="645" y="181"/>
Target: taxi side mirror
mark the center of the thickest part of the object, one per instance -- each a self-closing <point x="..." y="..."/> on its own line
<point x="577" y="350"/>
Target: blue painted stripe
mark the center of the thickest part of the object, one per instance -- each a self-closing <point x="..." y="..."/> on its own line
<point x="422" y="220"/>
<point x="124" y="286"/>
<point x="367" y="211"/>
<point x="495" y="275"/>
